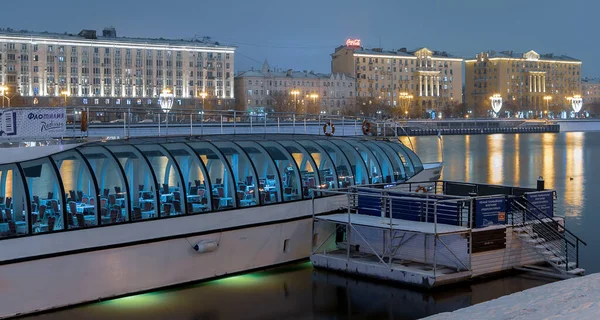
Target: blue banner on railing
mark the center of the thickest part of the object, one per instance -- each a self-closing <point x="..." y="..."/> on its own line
<point x="490" y="211"/>
<point x="543" y="200"/>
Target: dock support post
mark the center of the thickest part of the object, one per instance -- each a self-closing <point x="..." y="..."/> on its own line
<point x="348" y="227"/>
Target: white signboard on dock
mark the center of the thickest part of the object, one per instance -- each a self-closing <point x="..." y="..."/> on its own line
<point x="19" y="123"/>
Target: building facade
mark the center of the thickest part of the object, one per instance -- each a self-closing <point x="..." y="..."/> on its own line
<point x="422" y="79"/>
<point x="590" y="89"/>
<point x="286" y="91"/>
<point x="113" y="71"/>
<point x="525" y="81"/>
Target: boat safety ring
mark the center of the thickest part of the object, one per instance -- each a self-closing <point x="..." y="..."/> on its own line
<point x="330" y="131"/>
<point x="421" y="189"/>
<point x="366" y="127"/>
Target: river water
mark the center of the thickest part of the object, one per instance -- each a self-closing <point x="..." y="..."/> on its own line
<point x="564" y="160"/>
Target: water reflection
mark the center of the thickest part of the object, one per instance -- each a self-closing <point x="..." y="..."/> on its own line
<point x="574" y="178"/>
<point x="516" y="160"/>
<point x="548" y="169"/>
<point x="298" y="292"/>
<point x="495" y="158"/>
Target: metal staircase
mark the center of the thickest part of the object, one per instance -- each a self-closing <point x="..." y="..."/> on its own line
<point x="558" y="246"/>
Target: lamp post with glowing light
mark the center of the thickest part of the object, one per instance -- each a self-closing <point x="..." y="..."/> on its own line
<point x="405" y="96"/>
<point x="295" y="93"/>
<point x="3" y="90"/>
<point x="65" y="94"/>
<point x="314" y="96"/>
<point x="166" y="103"/>
<point x="548" y="99"/>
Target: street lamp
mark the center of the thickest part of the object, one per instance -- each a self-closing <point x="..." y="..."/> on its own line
<point x="405" y="96"/>
<point x="295" y="93"/>
<point x="65" y="93"/>
<point x="314" y="96"/>
<point x="3" y="91"/>
<point x="166" y="103"/>
<point x="547" y="98"/>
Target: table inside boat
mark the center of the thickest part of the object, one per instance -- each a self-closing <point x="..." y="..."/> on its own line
<point x="397" y="224"/>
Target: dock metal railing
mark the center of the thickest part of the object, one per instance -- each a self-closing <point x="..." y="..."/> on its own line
<point x="388" y="205"/>
<point x="558" y="240"/>
<point x="132" y="122"/>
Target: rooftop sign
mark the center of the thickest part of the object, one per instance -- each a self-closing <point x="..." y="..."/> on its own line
<point x="353" y="43"/>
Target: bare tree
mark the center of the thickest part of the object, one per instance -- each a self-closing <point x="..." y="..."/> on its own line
<point x="282" y="102"/>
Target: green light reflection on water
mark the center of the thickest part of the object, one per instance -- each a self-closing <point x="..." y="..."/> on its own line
<point x="157" y="297"/>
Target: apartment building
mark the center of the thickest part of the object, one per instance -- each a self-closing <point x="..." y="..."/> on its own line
<point x="114" y="71"/>
<point x="430" y="79"/>
<point x="590" y="88"/>
<point x="290" y="90"/>
<point x="526" y="81"/>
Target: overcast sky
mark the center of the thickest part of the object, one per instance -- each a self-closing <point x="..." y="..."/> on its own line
<point x="303" y="34"/>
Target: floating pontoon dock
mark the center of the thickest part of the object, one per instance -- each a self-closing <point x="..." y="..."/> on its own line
<point x="435" y="233"/>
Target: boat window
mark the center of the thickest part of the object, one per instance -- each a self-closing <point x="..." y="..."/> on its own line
<point x="194" y="176"/>
<point x="308" y="174"/>
<point x="416" y="161"/>
<point x="13" y="205"/>
<point x="409" y="168"/>
<point x="389" y="169"/>
<point x="269" y="184"/>
<point x="372" y="163"/>
<point x="80" y="189"/>
<point x="323" y="163"/>
<point x="223" y="189"/>
<point x="110" y="179"/>
<point x="346" y="174"/>
<point x="399" y="168"/>
<point x="243" y="171"/>
<point x="290" y="177"/>
<point x="142" y="187"/>
<point x="45" y="190"/>
<point x="169" y="179"/>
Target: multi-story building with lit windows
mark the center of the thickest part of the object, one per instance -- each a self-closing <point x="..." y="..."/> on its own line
<point x="431" y="78"/>
<point x="525" y="81"/>
<point x="590" y="89"/>
<point x="289" y="90"/>
<point x="111" y="71"/>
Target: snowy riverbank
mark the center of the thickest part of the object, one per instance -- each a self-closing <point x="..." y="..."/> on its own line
<point x="577" y="298"/>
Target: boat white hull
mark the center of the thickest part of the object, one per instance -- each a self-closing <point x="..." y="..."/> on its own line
<point x="117" y="269"/>
<point x="56" y="270"/>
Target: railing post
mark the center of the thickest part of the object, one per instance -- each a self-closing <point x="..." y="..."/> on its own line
<point x="250" y="123"/>
<point x="124" y="125"/>
<point x="191" y="125"/>
<point x="159" y="124"/>
<point x="343" y="125"/>
<point x="294" y="123"/>
<point x="221" y="123"/>
<point x="278" y="129"/>
<point x="355" y="122"/>
<point x="265" y="131"/>
<point x="234" y="121"/>
<point x="202" y="123"/>
<point x="577" y="253"/>
<point x="305" y="124"/>
<point x="319" y="122"/>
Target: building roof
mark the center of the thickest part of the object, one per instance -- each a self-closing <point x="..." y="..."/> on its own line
<point x="402" y="52"/>
<point x="590" y="81"/>
<point x="267" y="72"/>
<point x="86" y="36"/>
<point x="521" y="55"/>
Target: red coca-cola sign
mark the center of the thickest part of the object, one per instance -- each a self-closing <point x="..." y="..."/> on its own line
<point x="353" y="43"/>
